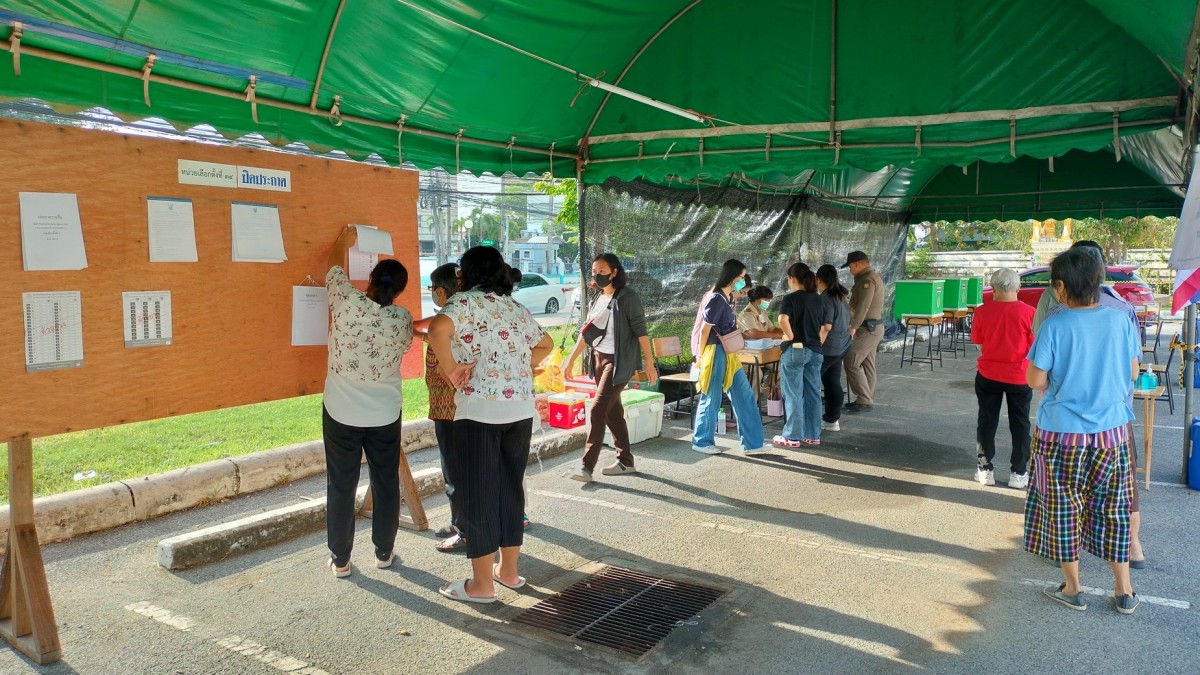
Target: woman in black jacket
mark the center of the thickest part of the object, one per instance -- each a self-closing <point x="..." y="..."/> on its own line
<point x="616" y="332"/>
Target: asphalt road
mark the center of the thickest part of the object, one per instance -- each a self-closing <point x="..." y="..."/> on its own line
<point x="875" y="552"/>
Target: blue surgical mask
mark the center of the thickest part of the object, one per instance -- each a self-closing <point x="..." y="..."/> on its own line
<point x="764" y="305"/>
<point x="739" y="285"/>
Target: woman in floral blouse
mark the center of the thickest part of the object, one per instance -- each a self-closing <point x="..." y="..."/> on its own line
<point x="486" y="344"/>
<point x="368" y="336"/>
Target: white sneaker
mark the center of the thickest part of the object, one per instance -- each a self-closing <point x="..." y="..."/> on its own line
<point x="830" y="426"/>
<point x="582" y="475"/>
<point x="708" y="449"/>
<point x="1018" y="481"/>
<point x="617" y="469"/>
<point x="756" y="451"/>
<point x="985" y="477"/>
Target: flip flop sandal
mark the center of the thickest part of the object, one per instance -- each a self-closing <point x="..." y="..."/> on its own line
<point x="457" y="590"/>
<point x="455" y="544"/>
<point x="446" y="532"/>
<point x="496" y="577"/>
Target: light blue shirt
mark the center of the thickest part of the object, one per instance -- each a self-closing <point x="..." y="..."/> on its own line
<point x="1086" y="354"/>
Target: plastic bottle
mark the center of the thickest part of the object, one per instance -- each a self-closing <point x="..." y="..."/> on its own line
<point x="721" y="422"/>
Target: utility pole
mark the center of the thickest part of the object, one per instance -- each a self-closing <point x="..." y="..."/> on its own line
<point x="503" y="220"/>
<point x="549" y="236"/>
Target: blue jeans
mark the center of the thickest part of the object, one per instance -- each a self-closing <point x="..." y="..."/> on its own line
<point x="800" y="379"/>
<point x="745" y="408"/>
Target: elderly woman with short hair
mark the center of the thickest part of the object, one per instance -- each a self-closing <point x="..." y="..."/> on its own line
<point x="1003" y="329"/>
<point x="1080" y="493"/>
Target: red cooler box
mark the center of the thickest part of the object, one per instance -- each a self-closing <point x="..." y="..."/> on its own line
<point x="567" y="411"/>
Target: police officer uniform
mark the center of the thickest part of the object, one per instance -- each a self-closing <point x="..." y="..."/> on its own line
<point x="866" y="322"/>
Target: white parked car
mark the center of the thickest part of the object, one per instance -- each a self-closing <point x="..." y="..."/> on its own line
<point x="540" y="295"/>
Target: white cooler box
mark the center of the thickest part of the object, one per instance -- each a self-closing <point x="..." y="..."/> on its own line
<point x="643" y="415"/>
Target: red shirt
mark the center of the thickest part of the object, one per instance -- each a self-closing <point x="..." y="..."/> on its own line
<point x="1004" y="333"/>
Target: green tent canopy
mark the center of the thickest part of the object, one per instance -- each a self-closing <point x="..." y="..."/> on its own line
<point x="779" y="87"/>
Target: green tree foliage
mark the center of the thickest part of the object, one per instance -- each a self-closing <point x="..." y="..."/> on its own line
<point x="1116" y="235"/>
<point x="566" y="221"/>
<point x="918" y="264"/>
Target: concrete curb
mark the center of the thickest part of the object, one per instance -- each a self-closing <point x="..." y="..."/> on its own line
<point x="219" y="542"/>
<point x="103" y="507"/>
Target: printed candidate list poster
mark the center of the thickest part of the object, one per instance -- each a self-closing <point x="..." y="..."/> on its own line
<point x="147" y="318"/>
<point x="53" y="330"/>
<point x="51" y="234"/>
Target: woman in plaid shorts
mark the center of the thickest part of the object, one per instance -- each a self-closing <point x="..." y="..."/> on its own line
<point x="1084" y="360"/>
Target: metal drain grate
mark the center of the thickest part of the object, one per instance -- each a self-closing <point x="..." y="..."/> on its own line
<point x="622" y="609"/>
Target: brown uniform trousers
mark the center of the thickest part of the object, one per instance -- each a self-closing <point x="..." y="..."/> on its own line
<point x="866" y="302"/>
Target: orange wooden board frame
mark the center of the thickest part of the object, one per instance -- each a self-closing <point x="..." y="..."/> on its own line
<point x="231" y="321"/>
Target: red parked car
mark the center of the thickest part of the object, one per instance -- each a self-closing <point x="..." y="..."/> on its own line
<point x="1123" y="278"/>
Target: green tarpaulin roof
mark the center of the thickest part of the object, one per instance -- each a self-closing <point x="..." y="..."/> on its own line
<point x="936" y="82"/>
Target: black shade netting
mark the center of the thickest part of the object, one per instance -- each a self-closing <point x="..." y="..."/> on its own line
<point x="672" y="243"/>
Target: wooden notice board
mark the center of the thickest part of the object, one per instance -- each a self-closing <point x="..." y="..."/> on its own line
<point x="231" y="321"/>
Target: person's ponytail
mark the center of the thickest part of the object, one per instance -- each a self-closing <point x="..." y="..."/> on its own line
<point x="388" y="279"/>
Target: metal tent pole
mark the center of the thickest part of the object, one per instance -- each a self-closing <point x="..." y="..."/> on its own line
<point x="1189" y="357"/>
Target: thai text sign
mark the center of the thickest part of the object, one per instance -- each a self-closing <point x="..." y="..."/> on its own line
<point x="231" y="176"/>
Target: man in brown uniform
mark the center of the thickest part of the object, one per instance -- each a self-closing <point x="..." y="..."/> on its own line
<point x="866" y="327"/>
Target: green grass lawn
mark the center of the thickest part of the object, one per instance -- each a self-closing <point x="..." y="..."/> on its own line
<point x="143" y="448"/>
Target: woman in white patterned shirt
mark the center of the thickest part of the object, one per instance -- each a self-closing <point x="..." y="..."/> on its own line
<point x="368" y="336"/>
<point x="486" y="344"/>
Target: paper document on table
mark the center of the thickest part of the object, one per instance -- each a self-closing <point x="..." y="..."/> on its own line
<point x="373" y="240"/>
<point x="257" y="236"/>
<point x="172" y="229"/>
<point x="51" y="233"/>
<point x="53" y="330"/>
<point x="310" y="316"/>
<point x="147" y="318"/>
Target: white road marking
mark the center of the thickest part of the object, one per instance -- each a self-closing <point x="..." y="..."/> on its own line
<point x="234" y="643"/>
<point x="1107" y="593"/>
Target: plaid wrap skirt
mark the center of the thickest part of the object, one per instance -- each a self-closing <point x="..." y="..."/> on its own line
<point x="1080" y="493"/>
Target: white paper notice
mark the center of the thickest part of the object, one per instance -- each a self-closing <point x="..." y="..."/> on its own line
<point x="172" y="229"/>
<point x="373" y="240"/>
<point x="310" y="316"/>
<point x="147" y="318"/>
<point x="51" y="234"/>
<point x="257" y="236"/>
<point x="360" y="264"/>
<point x="53" y="330"/>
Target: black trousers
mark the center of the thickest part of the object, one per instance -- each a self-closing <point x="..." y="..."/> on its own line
<point x="444" y="431"/>
<point x="489" y="497"/>
<point x="831" y="382"/>
<point x="344" y="448"/>
<point x="991" y="394"/>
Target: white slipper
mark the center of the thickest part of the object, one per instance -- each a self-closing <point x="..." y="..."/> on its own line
<point x="496" y="577"/>
<point x="339" y="572"/>
<point x="457" y="590"/>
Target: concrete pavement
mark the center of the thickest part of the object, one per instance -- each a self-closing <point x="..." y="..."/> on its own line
<point x="874" y="552"/>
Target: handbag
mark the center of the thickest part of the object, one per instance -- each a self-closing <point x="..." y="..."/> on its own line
<point x="592" y="334"/>
<point x="775" y="403"/>
<point x="732" y="342"/>
<point x="596" y="328"/>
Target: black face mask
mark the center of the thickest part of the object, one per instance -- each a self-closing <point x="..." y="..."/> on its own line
<point x="602" y="280"/>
